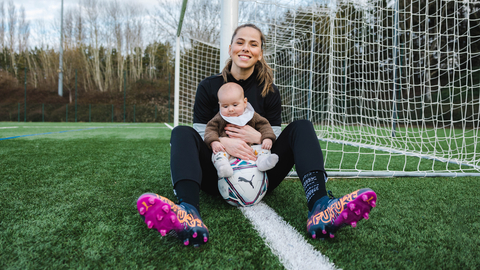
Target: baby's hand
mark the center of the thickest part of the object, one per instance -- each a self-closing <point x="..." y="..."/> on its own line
<point x="217" y="147"/>
<point x="267" y="144"/>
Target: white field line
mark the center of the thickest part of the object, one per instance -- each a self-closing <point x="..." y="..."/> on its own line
<point x="170" y="127"/>
<point x="7" y="127"/>
<point x="293" y="251"/>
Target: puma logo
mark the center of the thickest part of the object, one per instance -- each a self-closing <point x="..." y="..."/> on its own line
<point x="241" y="179"/>
<point x="146" y="206"/>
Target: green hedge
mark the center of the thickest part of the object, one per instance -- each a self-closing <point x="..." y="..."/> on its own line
<point x="85" y="113"/>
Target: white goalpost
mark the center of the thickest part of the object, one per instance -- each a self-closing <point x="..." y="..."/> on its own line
<point x="392" y="87"/>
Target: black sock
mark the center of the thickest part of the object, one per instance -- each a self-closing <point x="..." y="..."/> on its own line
<point x="188" y="191"/>
<point x="314" y="185"/>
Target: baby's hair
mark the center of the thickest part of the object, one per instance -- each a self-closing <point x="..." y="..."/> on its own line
<point x="230" y="86"/>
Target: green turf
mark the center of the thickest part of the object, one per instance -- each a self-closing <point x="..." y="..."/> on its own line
<point x="83" y="130"/>
<point x="69" y="202"/>
<point x="419" y="223"/>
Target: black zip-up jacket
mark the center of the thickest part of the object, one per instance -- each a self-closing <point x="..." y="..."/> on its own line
<point x="206" y="100"/>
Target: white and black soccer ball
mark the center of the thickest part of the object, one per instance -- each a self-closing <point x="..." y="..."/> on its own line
<point x="246" y="187"/>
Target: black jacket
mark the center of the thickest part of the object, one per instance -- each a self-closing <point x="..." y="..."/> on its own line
<point x="206" y="101"/>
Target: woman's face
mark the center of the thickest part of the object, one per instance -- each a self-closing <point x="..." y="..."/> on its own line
<point x="245" y="50"/>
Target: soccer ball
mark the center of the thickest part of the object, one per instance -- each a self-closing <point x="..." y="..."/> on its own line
<point x="246" y="186"/>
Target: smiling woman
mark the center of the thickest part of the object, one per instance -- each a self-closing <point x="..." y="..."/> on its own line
<point x="245" y="51"/>
<point x="297" y="145"/>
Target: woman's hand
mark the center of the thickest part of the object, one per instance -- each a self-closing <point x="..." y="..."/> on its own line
<point x="246" y="133"/>
<point x="238" y="148"/>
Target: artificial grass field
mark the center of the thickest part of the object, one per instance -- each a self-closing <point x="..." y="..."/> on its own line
<point x="68" y="201"/>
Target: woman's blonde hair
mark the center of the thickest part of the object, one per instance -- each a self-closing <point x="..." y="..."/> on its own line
<point x="265" y="72"/>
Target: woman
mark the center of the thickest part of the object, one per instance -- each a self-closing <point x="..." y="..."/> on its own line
<point x="192" y="169"/>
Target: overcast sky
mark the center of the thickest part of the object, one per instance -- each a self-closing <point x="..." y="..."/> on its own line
<point x="49" y="9"/>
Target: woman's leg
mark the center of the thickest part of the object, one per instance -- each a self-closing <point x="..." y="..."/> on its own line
<point x="297" y="145"/>
<point x="190" y="160"/>
<point x="191" y="169"/>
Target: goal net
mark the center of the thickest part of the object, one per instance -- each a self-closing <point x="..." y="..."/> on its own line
<point x="392" y="87"/>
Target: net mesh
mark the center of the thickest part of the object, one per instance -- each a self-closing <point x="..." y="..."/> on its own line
<point x="392" y="88"/>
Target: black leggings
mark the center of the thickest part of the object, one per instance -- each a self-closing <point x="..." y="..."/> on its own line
<point x="190" y="158"/>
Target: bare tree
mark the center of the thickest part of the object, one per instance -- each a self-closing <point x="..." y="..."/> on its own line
<point x="101" y="39"/>
<point x="23" y="31"/>
<point x="70" y="55"/>
<point x="117" y="21"/>
<point x="2" y="25"/>
<point x="12" y="29"/>
<point x="94" y="35"/>
<point x="113" y="22"/>
<point x="80" y="47"/>
<point x="45" y="67"/>
<point x="119" y="35"/>
<point x="134" y="39"/>
<point x="79" y="25"/>
<point x="201" y="21"/>
<point x="23" y="45"/>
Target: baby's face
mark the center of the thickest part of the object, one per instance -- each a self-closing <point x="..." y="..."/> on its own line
<point x="232" y="104"/>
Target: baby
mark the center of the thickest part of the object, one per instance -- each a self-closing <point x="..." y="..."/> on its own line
<point x="235" y="109"/>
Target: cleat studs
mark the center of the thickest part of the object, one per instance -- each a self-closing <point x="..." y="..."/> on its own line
<point x="354" y="224"/>
<point x="186" y="242"/>
<point x="194" y="235"/>
<point x="344" y="215"/>
<point x="159" y="217"/>
<point x="358" y="212"/>
<point x="205" y="238"/>
<point x="142" y="211"/>
<point x="166" y="209"/>
<point x="365" y="216"/>
<point x="163" y="232"/>
<point x="314" y="235"/>
<point x="364" y="197"/>
<point x="173" y="219"/>
<point x="332" y="236"/>
<point x="149" y="224"/>
<point x="151" y="200"/>
<point x="351" y="206"/>
<point x="373" y="204"/>
<point x="324" y="232"/>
